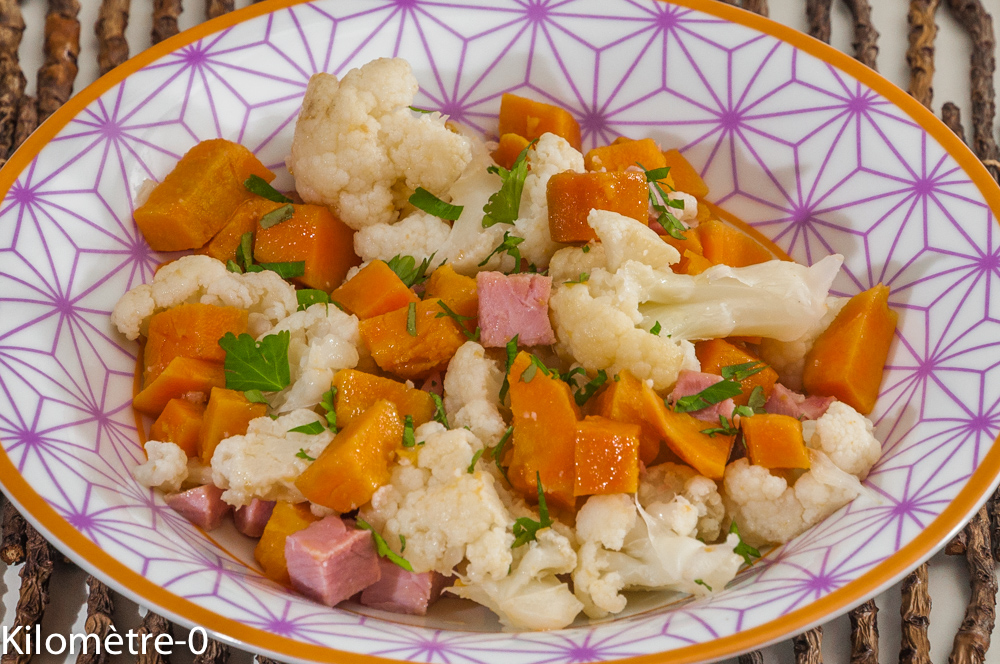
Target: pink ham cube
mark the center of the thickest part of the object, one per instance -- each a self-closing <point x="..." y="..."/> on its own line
<point x="202" y="506"/>
<point x="784" y="401"/>
<point x="514" y="304"/>
<point x="693" y="382"/>
<point x="400" y="591"/>
<point x="329" y="562"/>
<point x="251" y="519"/>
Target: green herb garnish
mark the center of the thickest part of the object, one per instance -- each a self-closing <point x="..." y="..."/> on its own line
<point x="255" y="396"/>
<point x="233" y="267"/>
<point x="310" y="296"/>
<point x="702" y="583"/>
<point x="660" y="201"/>
<point x="740" y="372"/>
<point x="256" y="365"/>
<point x="419" y="110"/>
<point x="275" y="217"/>
<point x="498" y="452"/>
<point x="743" y="549"/>
<point x="383" y="549"/>
<point x="586" y="248"/>
<point x="582" y="279"/>
<point x="326" y="402"/>
<point x="431" y="204"/>
<point x="503" y="206"/>
<point x="713" y="394"/>
<point x="258" y="185"/>
<point x="508" y="246"/>
<point x="725" y="427"/>
<point x="757" y="399"/>
<point x="302" y="454"/>
<point x="459" y="320"/>
<point x="532" y="368"/>
<point x="511" y="354"/>
<point x="408" y="271"/>
<point x="584" y="393"/>
<point x="439" y="414"/>
<point x="525" y="528"/>
<point x="402" y="543"/>
<point x="655" y="329"/>
<point x="411" y="319"/>
<point x="312" y="428"/>
<point x="475" y="458"/>
<point x="408" y="439"/>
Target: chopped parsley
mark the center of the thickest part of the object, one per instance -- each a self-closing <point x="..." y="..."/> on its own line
<point x="586" y="248"/>
<point x="743" y="549"/>
<point x="702" y="583"/>
<point x="408" y="439"/>
<point x="582" y="395"/>
<point x="258" y="185"/>
<point x="503" y="205"/>
<point x="726" y="427"/>
<point x="656" y="329"/>
<point x="312" y="428"/>
<point x="498" y="452"/>
<point x="411" y="319"/>
<point x="302" y="454"/>
<point x="408" y="271"/>
<point x="431" y="204"/>
<point x="740" y="372"/>
<point x="255" y="396"/>
<point x="525" y="528"/>
<point x="402" y="543"/>
<point x="582" y="279"/>
<point x="256" y="365"/>
<point x="459" y="320"/>
<point x="508" y="246"/>
<point x="660" y="201"/>
<point x="439" y="414"/>
<point x="475" y="458"/>
<point x="289" y="270"/>
<point x="713" y="394"/>
<point x="326" y="402"/>
<point x="420" y="110"/>
<point x="383" y="549"/>
<point x="532" y="368"/>
<point x="511" y="354"/>
<point x="275" y="217"/>
<point x="244" y="262"/>
<point x="757" y="399"/>
<point x="310" y="296"/>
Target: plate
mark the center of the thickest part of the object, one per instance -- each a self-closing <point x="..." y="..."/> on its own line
<point x="812" y="149"/>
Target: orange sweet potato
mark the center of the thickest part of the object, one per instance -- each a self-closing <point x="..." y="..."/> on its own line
<point x="353" y="466"/>
<point x="286" y="519"/>
<point x="544" y="441"/>
<point x="774" y="441"/>
<point x="620" y="156"/>
<point x="195" y="200"/>
<point x="315" y="236"/>
<point x="458" y="291"/>
<point x="373" y="291"/>
<point x="182" y="376"/>
<point x="685" y="178"/>
<point x="683" y="435"/>
<point x="228" y="414"/>
<point x="189" y="330"/>
<point x="510" y="146"/>
<point x="607" y="457"/>
<point x="571" y="196"/>
<point x="632" y="401"/>
<point x="244" y="219"/>
<point x="691" y="263"/>
<point x="531" y="119"/>
<point x="395" y="350"/>
<point x="847" y="359"/>
<point x="358" y="391"/>
<point x="180" y="424"/>
<point x="717" y="353"/>
<point x="724" y="245"/>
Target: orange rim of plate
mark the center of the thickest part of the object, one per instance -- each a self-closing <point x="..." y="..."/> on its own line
<point x="968" y="500"/>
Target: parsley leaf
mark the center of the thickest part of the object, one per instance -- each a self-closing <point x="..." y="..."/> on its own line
<point x="498" y="452"/>
<point x="256" y="365"/>
<point x="656" y="329"/>
<point x="302" y="454"/>
<point x="740" y="372"/>
<point x="526" y="528"/>
<point x="312" y="428"/>
<point x="233" y="267"/>
<point x="244" y="260"/>
<point x="659" y="200"/>
<point x="288" y="270"/>
<point x="258" y="185"/>
<point x="408" y="271"/>
<point x="459" y="320"/>
<point x="475" y="458"/>
<point x="420" y="110"/>
<point x="702" y="583"/>
<point x="508" y="246"/>
<point x="584" y="393"/>
<point x="439" y="414"/>
<point x="511" y="354"/>
<point x="408" y="439"/>
<point x="244" y="252"/>
<point x="656" y="174"/>
<point x="713" y="394"/>
<point x="743" y="549"/>
<point x="725" y="427"/>
<point x="402" y="543"/>
<point x="327" y="404"/>
<point x="503" y="205"/>
<point x="586" y="248"/>
<point x="255" y="396"/>
<point x="531" y="369"/>
<point x="431" y="204"/>
<point x="584" y="276"/>
<point x="411" y="319"/>
<point x="383" y="549"/>
<point x="310" y="296"/>
<point x="757" y="399"/>
<point x="275" y="217"/>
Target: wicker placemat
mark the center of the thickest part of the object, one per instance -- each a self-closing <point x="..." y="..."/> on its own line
<point x="979" y="542"/>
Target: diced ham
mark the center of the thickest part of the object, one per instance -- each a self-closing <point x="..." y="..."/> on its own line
<point x="202" y="506"/>
<point x="434" y="384"/>
<point x="693" y="382"/>
<point x="329" y="562"/>
<point x="784" y="401"/>
<point x="514" y="304"/>
<point x="251" y="519"/>
<point x="400" y="591"/>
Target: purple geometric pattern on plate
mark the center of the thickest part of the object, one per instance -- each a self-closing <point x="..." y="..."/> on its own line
<point x="808" y="155"/>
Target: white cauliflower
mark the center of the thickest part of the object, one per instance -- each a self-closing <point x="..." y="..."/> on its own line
<point x="323" y="340"/>
<point x="446" y="514"/>
<point x="531" y="596"/>
<point x="847" y="437"/>
<point x="663" y="482"/>
<point x="419" y="235"/>
<point x="569" y="263"/>
<point x="768" y="510"/>
<point x="267" y="297"/>
<point x="619" y="551"/>
<point x="788" y="357"/>
<point x="626" y="239"/>
<point x="359" y="149"/>
<point x="265" y="462"/>
<point x="472" y="393"/>
<point x="166" y="467"/>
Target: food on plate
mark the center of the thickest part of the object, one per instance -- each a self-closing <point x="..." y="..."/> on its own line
<point x="510" y="372"/>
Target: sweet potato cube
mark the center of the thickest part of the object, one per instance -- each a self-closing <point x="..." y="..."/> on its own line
<point x="409" y="356"/>
<point x="725" y="245"/>
<point x="847" y="359"/>
<point x="627" y="154"/>
<point x="180" y="424"/>
<point x="315" y="236"/>
<point x="571" y="196"/>
<point x="353" y="466"/>
<point x="531" y="119"/>
<point x="774" y="441"/>
<point x="358" y="391"/>
<point x="182" y="376"/>
<point x="459" y="292"/>
<point x="286" y="519"/>
<point x="244" y="219"/>
<point x="189" y="330"/>
<point x="686" y="179"/>
<point x="691" y="263"/>
<point x="630" y="400"/>
<point x="196" y="199"/>
<point x="228" y="413"/>
<point x="714" y="354"/>
<point x="544" y="440"/>
<point x="607" y="457"/>
<point x="509" y="148"/>
<point x="373" y="291"/>
<point x="682" y="432"/>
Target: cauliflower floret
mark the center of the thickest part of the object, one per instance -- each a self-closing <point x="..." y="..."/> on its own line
<point x="768" y="511"/>
<point x="847" y="437"/>
<point x="265" y="462"/>
<point x="788" y="358"/>
<point x="531" y="596"/>
<point x="166" y="467"/>
<point x="360" y="150"/>
<point x="419" y="235"/>
<point x="323" y="339"/>
<point x="625" y="239"/>
<point x="472" y="393"/>
<point x="569" y="263"/>
<point x="445" y="513"/>
<point x="619" y="551"/>
<point x="663" y="482"/>
<point x="267" y="297"/>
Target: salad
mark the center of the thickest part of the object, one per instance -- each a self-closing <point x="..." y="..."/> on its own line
<point x="511" y="371"/>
